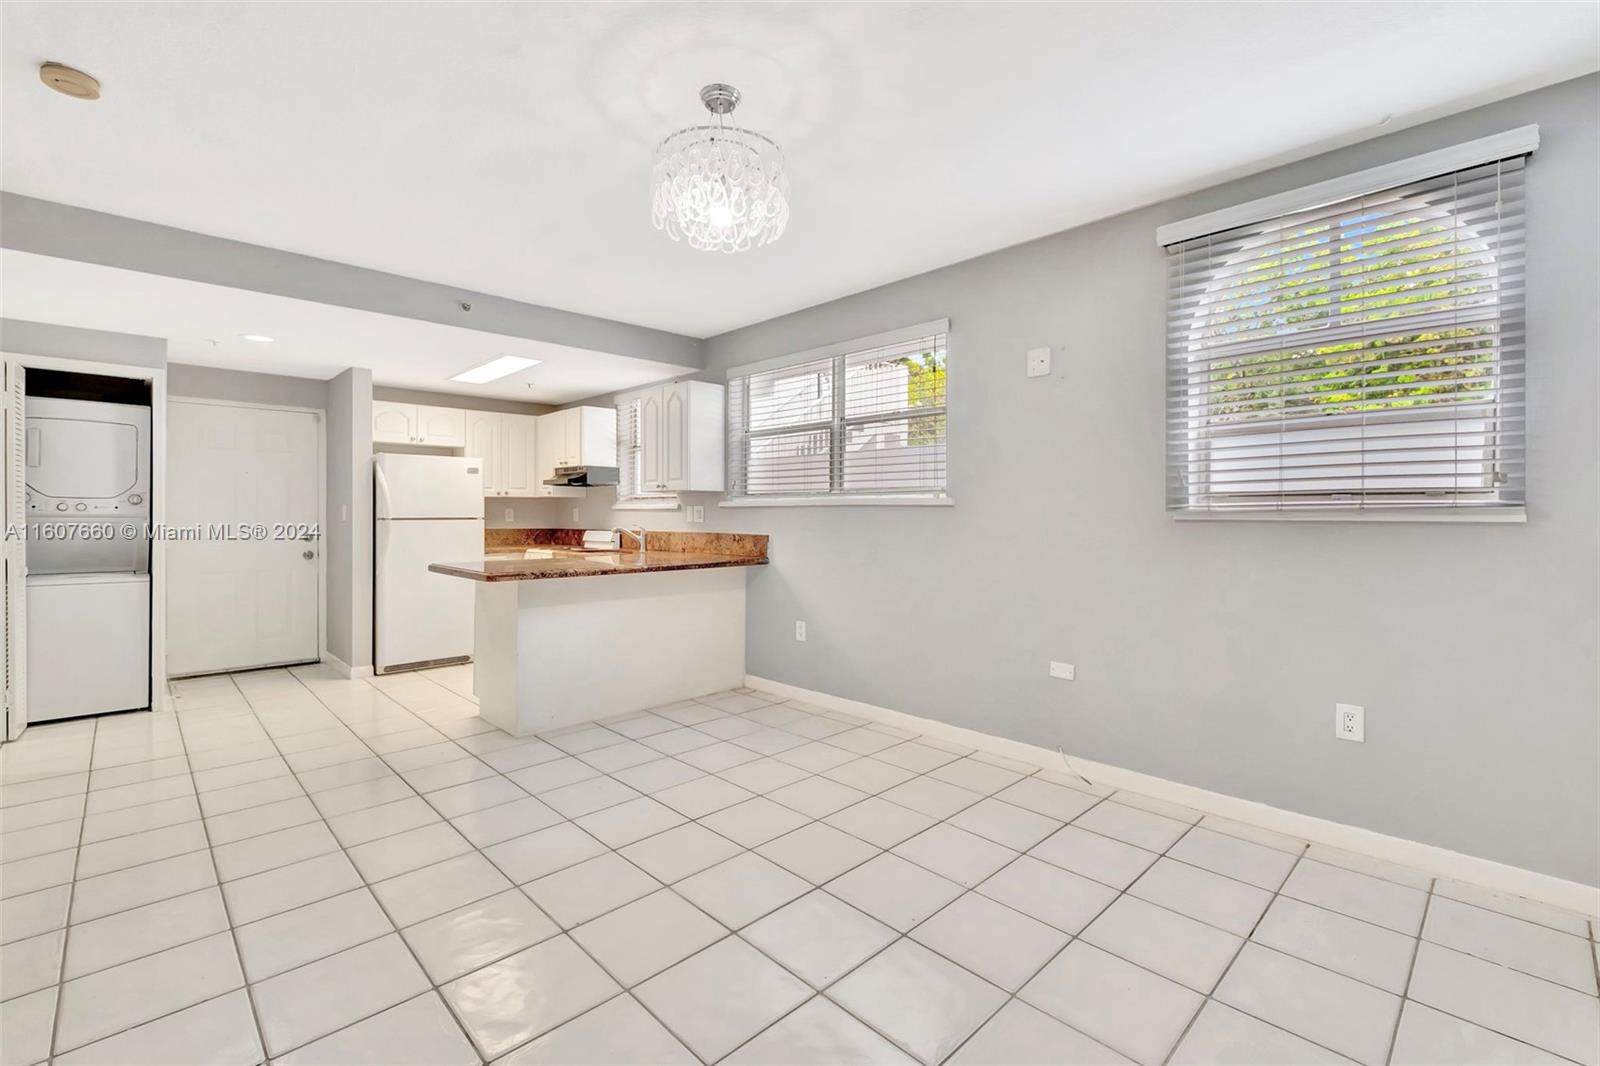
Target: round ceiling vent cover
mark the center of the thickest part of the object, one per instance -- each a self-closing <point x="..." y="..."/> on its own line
<point x="74" y="83"/>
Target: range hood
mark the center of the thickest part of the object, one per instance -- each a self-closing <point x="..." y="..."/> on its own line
<point x="582" y="477"/>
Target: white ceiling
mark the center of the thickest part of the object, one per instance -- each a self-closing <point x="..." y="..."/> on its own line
<point x="312" y="340"/>
<point x="506" y="147"/>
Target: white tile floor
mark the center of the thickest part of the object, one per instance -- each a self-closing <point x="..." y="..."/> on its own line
<point x="318" y="870"/>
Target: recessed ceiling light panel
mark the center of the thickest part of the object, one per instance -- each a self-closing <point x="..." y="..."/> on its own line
<point x="259" y="338"/>
<point x="494" y="370"/>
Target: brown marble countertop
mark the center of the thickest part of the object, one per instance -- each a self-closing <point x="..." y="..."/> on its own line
<point x="557" y="562"/>
<point x="540" y="554"/>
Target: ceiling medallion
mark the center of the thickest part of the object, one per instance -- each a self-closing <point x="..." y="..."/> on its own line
<point x="719" y="187"/>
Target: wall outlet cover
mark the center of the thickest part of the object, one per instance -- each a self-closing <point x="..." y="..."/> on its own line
<point x="1064" y="671"/>
<point x="1350" y="722"/>
<point x="1038" y="362"/>
<point x="697" y="512"/>
<point x="511" y="515"/>
<point x="800" y="631"/>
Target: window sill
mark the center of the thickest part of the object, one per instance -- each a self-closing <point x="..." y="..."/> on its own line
<point x="837" y="501"/>
<point x="647" y="505"/>
<point x="1512" y="515"/>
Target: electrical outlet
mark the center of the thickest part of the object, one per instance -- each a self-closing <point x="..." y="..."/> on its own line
<point x="800" y="631"/>
<point x="511" y="515"/>
<point x="1350" y="722"/>
<point x="577" y="519"/>
<point x="1039" y="362"/>
<point x="1064" y="671"/>
<point x="697" y="513"/>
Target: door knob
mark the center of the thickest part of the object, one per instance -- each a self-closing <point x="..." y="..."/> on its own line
<point x="308" y="555"/>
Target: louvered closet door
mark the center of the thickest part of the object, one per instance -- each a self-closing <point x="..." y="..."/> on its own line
<point x="15" y="554"/>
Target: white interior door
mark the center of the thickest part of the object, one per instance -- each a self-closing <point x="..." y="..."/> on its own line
<point x="241" y="601"/>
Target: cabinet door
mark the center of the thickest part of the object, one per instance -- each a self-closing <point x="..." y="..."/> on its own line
<point x="652" y="449"/>
<point x="394" y="423"/>
<point x="444" y="427"/>
<point x="518" y="467"/>
<point x="675" y="437"/>
<point x="551" y="440"/>
<point x="483" y="442"/>
<point x="572" y="437"/>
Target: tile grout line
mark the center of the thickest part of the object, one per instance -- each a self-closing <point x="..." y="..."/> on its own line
<point x="66" y="934"/>
<point x="1244" y="941"/>
<point x="227" y="913"/>
<point x="1411" y="969"/>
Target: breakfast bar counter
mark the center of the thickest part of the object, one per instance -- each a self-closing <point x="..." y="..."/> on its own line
<point x="551" y="653"/>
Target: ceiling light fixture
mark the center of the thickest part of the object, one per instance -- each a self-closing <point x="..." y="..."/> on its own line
<point x="69" y="82"/>
<point x="494" y="369"/>
<point x="720" y="187"/>
<point x="259" y="338"/>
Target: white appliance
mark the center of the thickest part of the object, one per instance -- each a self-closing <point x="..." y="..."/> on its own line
<point x="88" y="475"/>
<point x="429" y="509"/>
<point x="88" y="644"/>
<point x="88" y="581"/>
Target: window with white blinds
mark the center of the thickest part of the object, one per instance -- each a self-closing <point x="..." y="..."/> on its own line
<point x="1362" y="355"/>
<point x="859" y="419"/>
<point x="630" y="457"/>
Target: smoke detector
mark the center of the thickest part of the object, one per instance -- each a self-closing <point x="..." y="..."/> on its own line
<point x="69" y="82"/>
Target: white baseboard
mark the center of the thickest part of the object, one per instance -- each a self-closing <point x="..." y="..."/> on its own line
<point x="345" y="669"/>
<point x="1425" y="858"/>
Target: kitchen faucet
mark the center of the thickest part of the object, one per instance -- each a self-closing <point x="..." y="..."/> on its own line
<point x="636" y="532"/>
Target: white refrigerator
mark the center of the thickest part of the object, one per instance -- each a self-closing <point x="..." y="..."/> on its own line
<point x="428" y="509"/>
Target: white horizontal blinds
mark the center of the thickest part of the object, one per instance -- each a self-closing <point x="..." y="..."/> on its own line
<point x="869" y="422"/>
<point x="1366" y="354"/>
<point x="630" y="454"/>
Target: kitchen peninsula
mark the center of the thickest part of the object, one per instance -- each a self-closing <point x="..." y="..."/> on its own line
<point x="556" y="646"/>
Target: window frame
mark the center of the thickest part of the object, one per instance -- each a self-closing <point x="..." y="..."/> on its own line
<point x="1487" y="503"/>
<point x="837" y="426"/>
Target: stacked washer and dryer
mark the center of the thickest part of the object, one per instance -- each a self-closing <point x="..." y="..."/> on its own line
<point x="88" y="554"/>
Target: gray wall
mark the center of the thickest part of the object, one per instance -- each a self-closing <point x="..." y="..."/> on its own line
<point x="70" y="342"/>
<point x="66" y="232"/>
<point x="348" y="539"/>
<point x="1212" y="653"/>
<point x="467" y="403"/>
<point x="241" y="386"/>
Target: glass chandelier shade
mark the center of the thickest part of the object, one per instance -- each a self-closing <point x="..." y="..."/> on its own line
<point x="719" y="187"/>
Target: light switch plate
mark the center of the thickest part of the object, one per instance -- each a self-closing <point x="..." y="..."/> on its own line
<point x="1064" y="671"/>
<point x="1039" y="362"/>
<point x="697" y="512"/>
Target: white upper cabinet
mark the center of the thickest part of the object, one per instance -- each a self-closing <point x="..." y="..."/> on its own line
<point x="483" y="442"/>
<point x="578" y="436"/>
<point x="551" y="434"/>
<point x="518" y="468"/>
<point x="394" y="423"/>
<point x="442" y="427"/>
<point x="682" y="437"/>
<point x="409" y="423"/>
<point x="519" y="452"/>
<point x="587" y="436"/>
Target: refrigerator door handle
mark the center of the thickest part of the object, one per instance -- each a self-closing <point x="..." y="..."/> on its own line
<point x="382" y="484"/>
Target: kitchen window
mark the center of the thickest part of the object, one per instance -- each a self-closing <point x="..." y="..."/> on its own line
<point x="1361" y="353"/>
<point x="631" y="492"/>
<point x="862" y="421"/>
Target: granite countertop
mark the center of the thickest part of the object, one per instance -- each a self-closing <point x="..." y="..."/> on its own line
<point x="558" y="562"/>
<point x="539" y="554"/>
